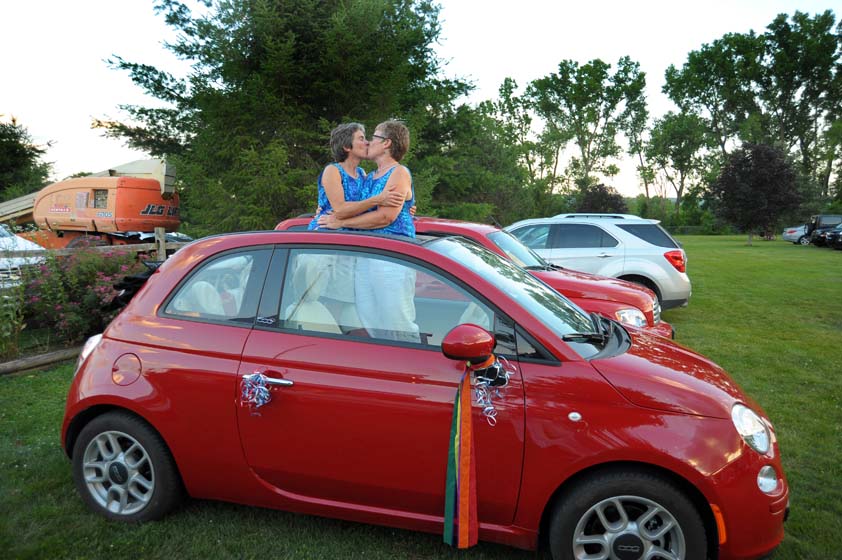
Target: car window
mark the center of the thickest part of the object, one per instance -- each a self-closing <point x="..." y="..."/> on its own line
<point x="651" y="233"/>
<point x="534" y="237"/>
<point x="371" y="296"/>
<point x="581" y="236"/>
<point x="225" y="288"/>
<point x="515" y="250"/>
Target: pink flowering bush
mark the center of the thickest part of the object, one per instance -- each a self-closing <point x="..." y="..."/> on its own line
<point x="72" y="296"/>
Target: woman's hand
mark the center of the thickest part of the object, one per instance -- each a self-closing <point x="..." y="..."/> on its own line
<point x="390" y="197"/>
<point x="329" y="221"/>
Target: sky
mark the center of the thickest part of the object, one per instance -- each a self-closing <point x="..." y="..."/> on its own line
<point x="54" y="78"/>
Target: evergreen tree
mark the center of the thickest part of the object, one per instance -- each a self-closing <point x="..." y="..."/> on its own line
<point x="21" y="168"/>
<point x="248" y="128"/>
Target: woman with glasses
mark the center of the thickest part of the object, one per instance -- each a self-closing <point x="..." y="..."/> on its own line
<point x="385" y="291"/>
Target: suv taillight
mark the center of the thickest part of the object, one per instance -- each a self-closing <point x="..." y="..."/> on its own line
<point x="676" y="259"/>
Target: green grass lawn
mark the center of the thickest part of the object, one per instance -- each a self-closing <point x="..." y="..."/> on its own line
<point x="770" y="314"/>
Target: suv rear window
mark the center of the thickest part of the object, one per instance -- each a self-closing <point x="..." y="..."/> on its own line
<point x="651" y="233"/>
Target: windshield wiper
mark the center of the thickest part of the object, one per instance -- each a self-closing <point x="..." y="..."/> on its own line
<point x="599" y="324"/>
<point x="601" y="335"/>
<point x="584" y="337"/>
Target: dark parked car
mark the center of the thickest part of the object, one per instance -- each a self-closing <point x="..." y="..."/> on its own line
<point x="822" y="237"/>
<point x="833" y="237"/>
<point x="230" y="376"/>
<point x="820" y="224"/>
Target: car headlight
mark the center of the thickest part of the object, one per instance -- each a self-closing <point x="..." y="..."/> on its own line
<point x="752" y="429"/>
<point x="633" y="317"/>
<point x="89" y="346"/>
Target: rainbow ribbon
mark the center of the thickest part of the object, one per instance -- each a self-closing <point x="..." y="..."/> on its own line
<point x="461" y="527"/>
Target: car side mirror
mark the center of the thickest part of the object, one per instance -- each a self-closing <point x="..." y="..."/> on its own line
<point x="468" y="342"/>
<point x="474" y="344"/>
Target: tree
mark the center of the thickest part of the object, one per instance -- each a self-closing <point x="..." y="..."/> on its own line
<point x="587" y="105"/>
<point x="600" y="198"/>
<point x="782" y="88"/>
<point x="675" y="147"/>
<point x="247" y="129"/>
<point x="21" y="168"/>
<point x="475" y="165"/>
<point x="716" y="83"/>
<point x="796" y="83"/>
<point x="756" y="187"/>
<point x="635" y="128"/>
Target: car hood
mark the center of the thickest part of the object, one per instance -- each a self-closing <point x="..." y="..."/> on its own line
<point x="659" y="374"/>
<point x="576" y="284"/>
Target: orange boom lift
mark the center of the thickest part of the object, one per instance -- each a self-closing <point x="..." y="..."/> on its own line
<point x="114" y="207"/>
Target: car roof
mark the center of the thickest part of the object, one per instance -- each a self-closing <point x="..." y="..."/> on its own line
<point x="585" y="218"/>
<point x="598" y="215"/>
<point x="428" y="223"/>
<point x="315" y="235"/>
<point x="422" y="224"/>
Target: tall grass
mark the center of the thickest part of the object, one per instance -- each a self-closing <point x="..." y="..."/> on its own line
<point x="770" y="314"/>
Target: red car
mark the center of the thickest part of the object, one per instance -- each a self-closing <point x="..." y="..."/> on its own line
<point x="629" y="303"/>
<point x="240" y="372"/>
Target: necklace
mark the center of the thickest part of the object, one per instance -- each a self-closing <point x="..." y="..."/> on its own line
<point x="379" y="173"/>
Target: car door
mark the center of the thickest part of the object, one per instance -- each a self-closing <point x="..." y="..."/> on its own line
<point x="364" y="420"/>
<point x="588" y="248"/>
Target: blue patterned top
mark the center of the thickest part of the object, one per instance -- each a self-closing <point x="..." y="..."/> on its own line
<point x="351" y="187"/>
<point x="403" y="224"/>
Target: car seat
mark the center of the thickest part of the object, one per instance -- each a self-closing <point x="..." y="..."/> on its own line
<point x="306" y="312"/>
<point x="204" y="299"/>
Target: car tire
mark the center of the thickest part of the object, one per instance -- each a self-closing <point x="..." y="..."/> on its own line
<point x="624" y="498"/>
<point x="124" y="470"/>
<point x="803" y="240"/>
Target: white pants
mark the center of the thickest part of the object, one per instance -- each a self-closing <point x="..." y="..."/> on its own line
<point x="385" y="294"/>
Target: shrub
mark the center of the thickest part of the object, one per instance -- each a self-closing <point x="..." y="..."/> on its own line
<point x="11" y="320"/>
<point x="72" y="296"/>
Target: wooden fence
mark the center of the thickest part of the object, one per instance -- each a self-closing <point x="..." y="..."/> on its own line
<point x="159" y="248"/>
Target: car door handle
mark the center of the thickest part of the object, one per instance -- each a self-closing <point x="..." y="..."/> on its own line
<point x="604" y="255"/>
<point x="271" y="380"/>
<point x="279" y="382"/>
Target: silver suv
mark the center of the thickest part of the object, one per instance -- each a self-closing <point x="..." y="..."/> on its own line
<point x="618" y="245"/>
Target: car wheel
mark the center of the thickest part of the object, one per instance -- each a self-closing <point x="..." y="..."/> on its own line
<point x="803" y="240"/>
<point x="123" y="469"/>
<point x="626" y="515"/>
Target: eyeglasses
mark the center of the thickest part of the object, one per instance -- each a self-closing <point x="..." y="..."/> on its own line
<point x="373" y="136"/>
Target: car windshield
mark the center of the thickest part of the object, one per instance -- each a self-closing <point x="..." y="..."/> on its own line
<point x="542" y="302"/>
<point x="519" y="253"/>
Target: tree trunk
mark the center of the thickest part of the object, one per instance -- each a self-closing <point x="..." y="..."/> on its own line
<point x="750" y="235"/>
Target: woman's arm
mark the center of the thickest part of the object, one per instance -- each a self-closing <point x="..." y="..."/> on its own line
<point x="332" y="182"/>
<point x="399" y="183"/>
